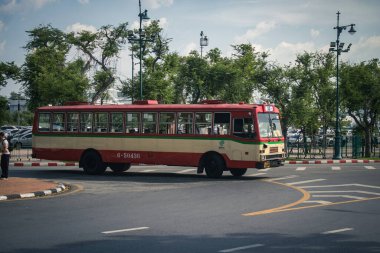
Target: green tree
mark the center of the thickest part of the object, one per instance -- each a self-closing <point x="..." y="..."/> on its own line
<point x="8" y="70"/>
<point x="245" y="63"/>
<point x="302" y="110"/>
<point x="191" y="78"/>
<point x="4" y="111"/>
<point x="275" y="84"/>
<point x="46" y="76"/>
<point x="101" y="49"/>
<point x="360" y="87"/>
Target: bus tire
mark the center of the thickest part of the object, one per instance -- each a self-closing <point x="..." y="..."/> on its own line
<point x="238" y="172"/>
<point x="92" y="163"/>
<point x="214" y="166"/>
<point x="119" y="167"/>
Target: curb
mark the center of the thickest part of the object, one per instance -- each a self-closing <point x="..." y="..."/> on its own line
<point x="331" y="161"/>
<point x="60" y="188"/>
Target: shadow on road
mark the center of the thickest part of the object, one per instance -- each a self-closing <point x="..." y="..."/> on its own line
<point x="259" y="242"/>
<point x="151" y="177"/>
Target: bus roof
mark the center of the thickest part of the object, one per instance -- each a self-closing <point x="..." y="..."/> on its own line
<point x="162" y="107"/>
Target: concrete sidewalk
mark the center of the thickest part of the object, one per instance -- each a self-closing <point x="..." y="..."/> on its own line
<point x="20" y="188"/>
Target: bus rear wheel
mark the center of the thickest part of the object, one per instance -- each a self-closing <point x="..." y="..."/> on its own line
<point x="238" y="172"/>
<point x="119" y="167"/>
<point x="214" y="166"/>
<point x="92" y="163"/>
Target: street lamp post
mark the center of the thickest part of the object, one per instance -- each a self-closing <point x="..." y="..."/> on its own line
<point x="141" y="38"/>
<point x="133" y="73"/>
<point x="203" y="42"/>
<point x="337" y="47"/>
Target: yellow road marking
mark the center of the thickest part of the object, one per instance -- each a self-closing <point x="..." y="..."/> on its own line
<point x="328" y="204"/>
<point x="306" y="196"/>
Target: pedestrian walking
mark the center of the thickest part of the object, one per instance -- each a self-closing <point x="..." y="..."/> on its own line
<point x="5" y="155"/>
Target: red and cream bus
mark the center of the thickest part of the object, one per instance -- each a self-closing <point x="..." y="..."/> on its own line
<point x="213" y="136"/>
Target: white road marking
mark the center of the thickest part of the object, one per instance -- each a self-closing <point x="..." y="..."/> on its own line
<point x="322" y="202"/>
<point x="341" y="185"/>
<point x="257" y="174"/>
<point x="241" y="248"/>
<point x="364" y="192"/>
<point x="186" y="171"/>
<point x="337" y="231"/>
<point x="338" y="196"/>
<point x="265" y="169"/>
<point x="369" y="167"/>
<point x="282" y="178"/>
<point x="336" y="168"/>
<point x="125" y="230"/>
<point x="307" y="181"/>
<point x="301" y="168"/>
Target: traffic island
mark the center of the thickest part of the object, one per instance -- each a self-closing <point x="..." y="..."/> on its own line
<point x="22" y="188"/>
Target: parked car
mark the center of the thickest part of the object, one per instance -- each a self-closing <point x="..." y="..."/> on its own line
<point x="22" y="132"/>
<point x="24" y="141"/>
<point x="329" y="140"/>
<point x="3" y="128"/>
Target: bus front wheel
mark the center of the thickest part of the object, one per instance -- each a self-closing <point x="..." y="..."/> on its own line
<point x="214" y="166"/>
<point x="238" y="172"/>
<point x="92" y="163"/>
<point x="119" y="167"/>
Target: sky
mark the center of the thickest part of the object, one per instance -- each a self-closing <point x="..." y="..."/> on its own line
<point x="283" y="28"/>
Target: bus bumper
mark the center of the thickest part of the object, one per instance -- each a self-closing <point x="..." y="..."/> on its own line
<point x="269" y="164"/>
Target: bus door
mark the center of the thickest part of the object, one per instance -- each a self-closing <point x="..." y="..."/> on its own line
<point x="244" y="129"/>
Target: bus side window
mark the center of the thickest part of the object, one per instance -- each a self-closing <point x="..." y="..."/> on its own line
<point x="244" y="128"/>
<point x="58" y="124"/>
<point x="72" y="122"/>
<point x="221" y="123"/>
<point x="185" y="123"/>
<point x="238" y="126"/>
<point x="101" y="122"/>
<point x="167" y="123"/>
<point x="116" y="123"/>
<point x="149" y="123"/>
<point x="133" y="121"/>
<point x="203" y="123"/>
<point x="44" y="122"/>
<point x="86" y="122"/>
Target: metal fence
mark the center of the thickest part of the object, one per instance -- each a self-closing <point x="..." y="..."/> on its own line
<point x="21" y="154"/>
<point x="322" y="147"/>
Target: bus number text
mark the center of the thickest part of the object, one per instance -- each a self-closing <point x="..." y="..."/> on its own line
<point x="126" y="155"/>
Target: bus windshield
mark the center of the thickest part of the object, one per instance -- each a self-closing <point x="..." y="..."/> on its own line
<point x="269" y="125"/>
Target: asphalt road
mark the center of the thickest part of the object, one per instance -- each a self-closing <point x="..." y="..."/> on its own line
<point x="311" y="208"/>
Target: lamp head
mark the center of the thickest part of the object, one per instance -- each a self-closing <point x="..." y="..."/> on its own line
<point x="352" y="30"/>
<point x="144" y="15"/>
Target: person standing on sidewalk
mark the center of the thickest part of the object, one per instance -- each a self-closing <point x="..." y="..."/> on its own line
<point x="5" y="155"/>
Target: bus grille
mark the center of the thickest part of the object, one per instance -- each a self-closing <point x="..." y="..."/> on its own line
<point x="273" y="150"/>
<point x="278" y="156"/>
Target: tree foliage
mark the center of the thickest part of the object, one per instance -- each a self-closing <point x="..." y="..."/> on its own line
<point x="361" y="96"/>
<point x="8" y="70"/>
<point x="46" y="75"/>
<point x="101" y="49"/>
